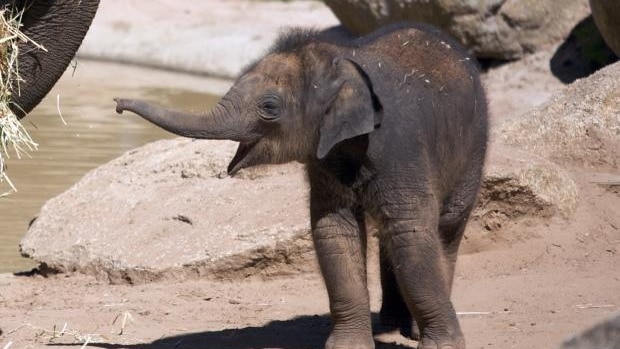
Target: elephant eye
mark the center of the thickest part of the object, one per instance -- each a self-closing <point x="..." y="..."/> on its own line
<point x="269" y="108"/>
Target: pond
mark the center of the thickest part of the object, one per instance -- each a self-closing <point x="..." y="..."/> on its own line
<point x="93" y="135"/>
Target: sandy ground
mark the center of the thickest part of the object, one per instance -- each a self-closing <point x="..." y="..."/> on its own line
<point x="529" y="284"/>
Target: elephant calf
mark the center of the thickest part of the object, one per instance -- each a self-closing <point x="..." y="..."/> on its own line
<point x="392" y="125"/>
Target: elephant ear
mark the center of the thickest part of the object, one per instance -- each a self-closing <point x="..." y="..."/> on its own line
<point x="352" y="108"/>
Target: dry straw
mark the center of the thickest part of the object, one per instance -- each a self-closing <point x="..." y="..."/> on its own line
<point x="13" y="135"/>
<point x="56" y="334"/>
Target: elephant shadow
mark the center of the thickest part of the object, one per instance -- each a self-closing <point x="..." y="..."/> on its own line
<point x="304" y="332"/>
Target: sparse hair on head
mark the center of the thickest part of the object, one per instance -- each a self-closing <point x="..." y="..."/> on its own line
<point x="292" y="39"/>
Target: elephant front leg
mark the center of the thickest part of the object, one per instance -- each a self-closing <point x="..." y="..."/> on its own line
<point x="421" y="270"/>
<point x="338" y="243"/>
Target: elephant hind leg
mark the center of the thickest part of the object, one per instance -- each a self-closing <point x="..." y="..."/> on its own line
<point x="451" y="233"/>
<point x="394" y="313"/>
<point x="453" y="220"/>
<point x="419" y="265"/>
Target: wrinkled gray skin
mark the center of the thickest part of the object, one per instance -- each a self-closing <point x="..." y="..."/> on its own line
<point x="392" y="125"/>
<point x="58" y="25"/>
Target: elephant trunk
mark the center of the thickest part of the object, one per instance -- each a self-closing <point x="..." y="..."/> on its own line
<point x="57" y="25"/>
<point x="215" y="124"/>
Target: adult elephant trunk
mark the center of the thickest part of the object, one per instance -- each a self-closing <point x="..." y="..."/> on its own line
<point x="221" y="122"/>
<point x="58" y="25"/>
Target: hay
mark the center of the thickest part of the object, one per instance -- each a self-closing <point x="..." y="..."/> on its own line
<point x="56" y="334"/>
<point x="13" y="136"/>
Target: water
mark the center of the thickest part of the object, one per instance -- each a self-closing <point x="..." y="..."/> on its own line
<point x="94" y="134"/>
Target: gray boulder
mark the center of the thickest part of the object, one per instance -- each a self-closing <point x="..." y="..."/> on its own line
<point x="499" y="29"/>
<point x="606" y="15"/>
<point x="520" y="184"/>
<point x="167" y="211"/>
<point x="580" y="125"/>
<point x="216" y="37"/>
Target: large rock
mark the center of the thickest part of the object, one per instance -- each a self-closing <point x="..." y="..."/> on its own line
<point x="500" y="29"/>
<point x="167" y="211"/>
<point x="518" y="183"/>
<point x="606" y="14"/>
<point x="580" y="125"/>
<point x="214" y="37"/>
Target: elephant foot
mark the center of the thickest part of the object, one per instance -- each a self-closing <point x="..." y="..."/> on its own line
<point x="350" y="340"/>
<point x="445" y="343"/>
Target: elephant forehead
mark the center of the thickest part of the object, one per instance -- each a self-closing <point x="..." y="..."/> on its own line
<point x="280" y="67"/>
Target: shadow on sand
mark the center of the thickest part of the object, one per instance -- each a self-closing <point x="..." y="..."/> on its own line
<point x="304" y="332"/>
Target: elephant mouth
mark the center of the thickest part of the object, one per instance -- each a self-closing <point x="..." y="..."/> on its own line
<point x="238" y="162"/>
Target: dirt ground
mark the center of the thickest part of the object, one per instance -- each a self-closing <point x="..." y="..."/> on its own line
<point x="529" y="284"/>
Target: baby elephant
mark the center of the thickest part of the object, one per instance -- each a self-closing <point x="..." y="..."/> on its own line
<point x="392" y="125"/>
